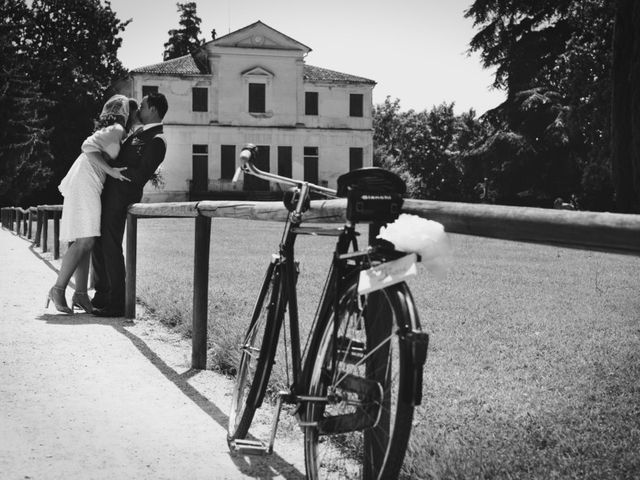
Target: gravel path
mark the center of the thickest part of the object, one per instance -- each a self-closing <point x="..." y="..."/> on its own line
<point x="89" y="398"/>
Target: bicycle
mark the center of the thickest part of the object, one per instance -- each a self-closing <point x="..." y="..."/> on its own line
<point x="355" y="385"/>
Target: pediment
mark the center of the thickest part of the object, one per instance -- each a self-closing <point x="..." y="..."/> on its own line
<point x="257" y="72"/>
<point x="259" y="35"/>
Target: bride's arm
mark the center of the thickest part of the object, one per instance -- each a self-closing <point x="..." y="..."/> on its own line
<point x="97" y="146"/>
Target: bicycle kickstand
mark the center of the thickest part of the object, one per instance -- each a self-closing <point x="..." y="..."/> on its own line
<point x="259" y="447"/>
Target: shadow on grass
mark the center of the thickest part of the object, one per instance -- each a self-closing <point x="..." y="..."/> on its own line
<point x="266" y="467"/>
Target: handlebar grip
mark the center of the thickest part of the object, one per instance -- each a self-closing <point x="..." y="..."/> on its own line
<point x="249" y="152"/>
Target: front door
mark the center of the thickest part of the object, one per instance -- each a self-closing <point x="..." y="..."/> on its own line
<point x="253" y="183"/>
<point x="200" y="168"/>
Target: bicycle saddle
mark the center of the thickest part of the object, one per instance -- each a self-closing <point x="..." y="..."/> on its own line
<point x="371" y="180"/>
<point x="373" y="194"/>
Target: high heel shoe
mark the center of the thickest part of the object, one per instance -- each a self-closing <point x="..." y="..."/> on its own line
<point x="56" y="295"/>
<point x="82" y="301"/>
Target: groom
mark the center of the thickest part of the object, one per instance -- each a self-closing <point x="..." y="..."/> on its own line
<point x="142" y="153"/>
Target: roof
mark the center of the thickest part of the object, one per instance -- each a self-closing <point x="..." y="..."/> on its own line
<point x="317" y="74"/>
<point x="186" y="65"/>
<point x="259" y="27"/>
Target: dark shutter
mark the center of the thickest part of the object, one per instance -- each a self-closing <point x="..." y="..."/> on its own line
<point x="311" y="103"/>
<point x="147" y="89"/>
<point x="257" y="97"/>
<point x="252" y="183"/>
<point x="355" y="158"/>
<point x="199" y="99"/>
<point x="285" y="162"/>
<point x="356" y="101"/>
<point x="228" y="161"/>
<point x="311" y="164"/>
<point x="200" y="168"/>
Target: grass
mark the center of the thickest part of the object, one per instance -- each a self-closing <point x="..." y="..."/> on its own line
<point x="534" y="360"/>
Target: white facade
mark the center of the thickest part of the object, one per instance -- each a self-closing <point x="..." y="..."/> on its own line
<point x="260" y="63"/>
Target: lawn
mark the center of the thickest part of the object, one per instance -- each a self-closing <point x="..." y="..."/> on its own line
<point x="534" y="360"/>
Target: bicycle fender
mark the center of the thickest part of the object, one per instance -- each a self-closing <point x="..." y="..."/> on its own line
<point x="416" y="345"/>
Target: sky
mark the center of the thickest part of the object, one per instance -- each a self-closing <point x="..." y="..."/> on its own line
<point x="416" y="50"/>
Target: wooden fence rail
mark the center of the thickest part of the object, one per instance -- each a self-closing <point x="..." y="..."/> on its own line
<point x="618" y="233"/>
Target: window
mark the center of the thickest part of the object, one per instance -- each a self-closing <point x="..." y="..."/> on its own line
<point x="311" y="164"/>
<point x="257" y="97"/>
<point x="199" y="99"/>
<point x="257" y="84"/>
<point x="284" y="162"/>
<point x="227" y="161"/>
<point x="147" y="89"/>
<point x="356" y="101"/>
<point x="200" y="168"/>
<point x="355" y="158"/>
<point x="311" y="103"/>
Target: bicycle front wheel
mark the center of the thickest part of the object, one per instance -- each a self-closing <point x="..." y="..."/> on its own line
<point x="361" y="427"/>
<point x="257" y="353"/>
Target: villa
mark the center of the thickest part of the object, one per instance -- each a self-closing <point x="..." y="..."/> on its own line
<point x="253" y="86"/>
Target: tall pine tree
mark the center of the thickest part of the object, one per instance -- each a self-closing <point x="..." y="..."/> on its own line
<point x="184" y="40"/>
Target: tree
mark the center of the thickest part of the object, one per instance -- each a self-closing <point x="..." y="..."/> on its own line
<point x="424" y="147"/>
<point x="186" y="39"/>
<point x="528" y="159"/>
<point x="73" y="45"/>
<point x="556" y="53"/>
<point x="625" y="118"/>
<point x="24" y="147"/>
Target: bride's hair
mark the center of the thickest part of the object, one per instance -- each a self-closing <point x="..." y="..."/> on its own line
<point x="115" y="110"/>
<point x="106" y="120"/>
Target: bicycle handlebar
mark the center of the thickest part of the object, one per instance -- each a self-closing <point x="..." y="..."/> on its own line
<point x="247" y="166"/>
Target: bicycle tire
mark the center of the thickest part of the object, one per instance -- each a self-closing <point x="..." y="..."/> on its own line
<point x="376" y="451"/>
<point x="254" y="370"/>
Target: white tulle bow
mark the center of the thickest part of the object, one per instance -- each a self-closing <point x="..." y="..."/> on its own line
<point x="414" y="234"/>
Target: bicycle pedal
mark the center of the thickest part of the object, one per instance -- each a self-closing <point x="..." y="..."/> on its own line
<point x="251" y="447"/>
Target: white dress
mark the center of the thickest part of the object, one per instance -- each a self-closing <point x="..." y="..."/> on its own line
<point x="83" y="184"/>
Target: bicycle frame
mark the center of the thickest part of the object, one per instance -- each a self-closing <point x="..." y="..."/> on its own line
<point x="285" y="261"/>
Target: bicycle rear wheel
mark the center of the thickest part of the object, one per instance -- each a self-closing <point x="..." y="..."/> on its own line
<point x="362" y="429"/>
<point x="258" y="350"/>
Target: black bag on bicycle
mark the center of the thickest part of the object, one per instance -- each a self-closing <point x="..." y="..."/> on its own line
<point x="373" y="194"/>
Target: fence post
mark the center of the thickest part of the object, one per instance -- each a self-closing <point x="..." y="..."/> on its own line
<point x="200" y="292"/>
<point x="30" y="230"/>
<point x="38" y="227"/>
<point x="56" y="235"/>
<point x="45" y="230"/>
<point x="25" y="221"/>
<point x="18" y="221"/>
<point x="130" y="283"/>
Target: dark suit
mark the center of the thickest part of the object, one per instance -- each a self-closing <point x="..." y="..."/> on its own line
<point x="141" y="153"/>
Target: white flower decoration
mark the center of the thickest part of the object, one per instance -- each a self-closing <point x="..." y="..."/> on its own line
<point x="414" y="234"/>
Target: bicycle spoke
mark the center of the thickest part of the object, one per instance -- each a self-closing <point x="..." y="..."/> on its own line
<point x="368" y="350"/>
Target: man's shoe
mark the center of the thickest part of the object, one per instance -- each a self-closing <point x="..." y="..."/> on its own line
<point x="108" y="312"/>
<point x="98" y="301"/>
